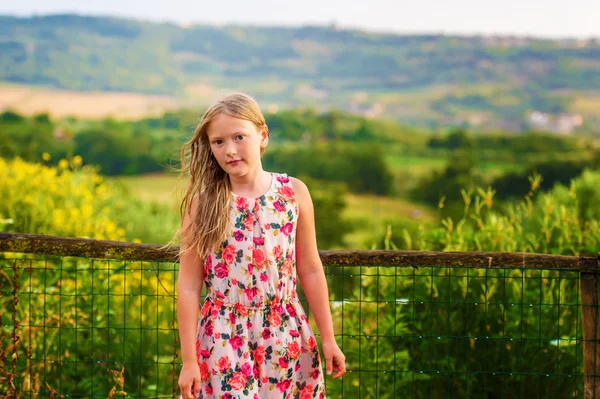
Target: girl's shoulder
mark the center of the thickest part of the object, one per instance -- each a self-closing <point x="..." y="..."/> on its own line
<point x="285" y="180"/>
<point x="295" y="187"/>
<point x="282" y="178"/>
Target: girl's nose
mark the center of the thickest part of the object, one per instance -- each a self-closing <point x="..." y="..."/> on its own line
<point x="230" y="150"/>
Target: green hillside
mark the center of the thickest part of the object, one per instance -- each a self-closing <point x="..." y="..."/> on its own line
<point x="488" y="82"/>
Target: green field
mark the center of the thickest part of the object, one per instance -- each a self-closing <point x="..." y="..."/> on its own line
<point x="368" y="212"/>
<point x="159" y="187"/>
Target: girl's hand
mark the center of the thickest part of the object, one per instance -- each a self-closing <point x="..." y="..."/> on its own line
<point x="334" y="358"/>
<point x="189" y="381"/>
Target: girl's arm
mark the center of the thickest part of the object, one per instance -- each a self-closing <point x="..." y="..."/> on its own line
<point x="189" y="287"/>
<point x="312" y="277"/>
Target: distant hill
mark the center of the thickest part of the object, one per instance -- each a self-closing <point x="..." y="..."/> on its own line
<point x="488" y="82"/>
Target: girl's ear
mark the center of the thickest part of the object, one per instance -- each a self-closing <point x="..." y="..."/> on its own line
<point x="264" y="137"/>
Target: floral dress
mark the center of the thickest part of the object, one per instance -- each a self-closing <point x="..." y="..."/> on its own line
<point x="253" y="338"/>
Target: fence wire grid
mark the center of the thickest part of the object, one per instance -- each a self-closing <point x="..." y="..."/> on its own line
<point x="82" y="328"/>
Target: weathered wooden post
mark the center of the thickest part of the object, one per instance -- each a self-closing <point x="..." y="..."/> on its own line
<point x="590" y="312"/>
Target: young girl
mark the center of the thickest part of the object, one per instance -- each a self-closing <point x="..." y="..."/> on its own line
<point x="247" y="234"/>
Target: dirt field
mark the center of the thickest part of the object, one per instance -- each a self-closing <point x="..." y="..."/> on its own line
<point x="28" y="100"/>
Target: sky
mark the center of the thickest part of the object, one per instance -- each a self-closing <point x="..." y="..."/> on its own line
<point x="540" y="18"/>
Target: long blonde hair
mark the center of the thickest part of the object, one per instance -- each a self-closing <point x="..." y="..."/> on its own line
<point x="208" y="180"/>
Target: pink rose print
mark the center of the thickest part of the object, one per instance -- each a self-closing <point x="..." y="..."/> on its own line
<point x="286" y="193"/>
<point x="238" y="381"/>
<point x="250" y="293"/>
<point x="236" y="342"/>
<point x="283" y="363"/>
<point x="208" y="328"/>
<point x="283" y="385"/>
<point x="204" y="353"/>
<point x="312" y="343"/>
<point x="286" y="269"/>
<point x="258" y="258"/>
<point x="256" y="371"/>
<point x="221" y="270"/>
<point x="215" y="310"/>
<point x="238" y="235"/>
<point x="229" y="254"/>
<point x="279" y="206"/>
<point x="274" y="319"/>
<point x="307" y="392"/>
<point x="241" y="203"/>
<point x="247" y="369"/>
<point x="259" y="354"/>
<point x="291" y="309"/>
<point x="277" y="252"/>
<point x="249" y="221"/>
<point x="293" y="350"/>
<point x="204" y="371"/>
<point x="240" y="309"/>
<point x="224" y="364"/>
<point x="287" y="229"/>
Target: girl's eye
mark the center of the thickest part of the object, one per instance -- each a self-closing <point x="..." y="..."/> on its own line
<point x="217" y="142"/>
<point x="239" y="137"/>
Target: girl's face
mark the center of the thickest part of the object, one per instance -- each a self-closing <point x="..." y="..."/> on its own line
<point x="236" y="143"/>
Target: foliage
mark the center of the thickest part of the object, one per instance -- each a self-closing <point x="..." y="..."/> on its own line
<point x="517" y="327"/>
<point x="304" y="65"/>
<point x="75" y="201"/>
<point x="92" y="319"/>
<point x="444" y="186"/>
<point x="115" y="153"/>
<point x="360" y="166"/>
<point x="561" y="221"/>
<point x="555" y="171"/>
<point x="329" y="203"/>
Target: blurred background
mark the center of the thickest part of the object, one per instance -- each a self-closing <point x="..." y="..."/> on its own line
<point x="458" y="125"/>
<point x="431" y="125"/>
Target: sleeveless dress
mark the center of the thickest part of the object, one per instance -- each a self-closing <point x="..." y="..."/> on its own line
<point x="254" y="339"/>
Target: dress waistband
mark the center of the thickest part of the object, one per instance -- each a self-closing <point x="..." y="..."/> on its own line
<point x="254" y="305"/>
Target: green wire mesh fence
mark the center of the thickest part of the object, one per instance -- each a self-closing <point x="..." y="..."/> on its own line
<point x="411" y="324"/>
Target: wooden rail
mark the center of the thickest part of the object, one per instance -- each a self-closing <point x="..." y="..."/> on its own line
<point x="62" y="246"/>
<point x="588" y="268"/>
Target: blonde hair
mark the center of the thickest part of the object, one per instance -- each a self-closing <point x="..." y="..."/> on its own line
<point x="208" y="180"/>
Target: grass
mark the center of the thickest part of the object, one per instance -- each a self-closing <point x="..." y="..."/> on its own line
<point x="159" y="187"/>
<point x="369" y="212"/>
